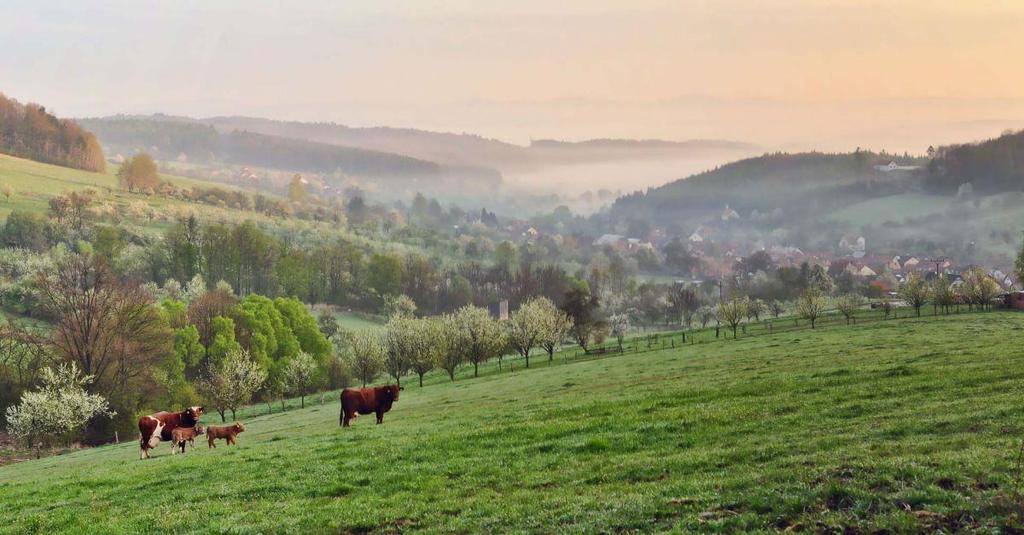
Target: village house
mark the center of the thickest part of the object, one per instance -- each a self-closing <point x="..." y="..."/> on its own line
<point x="729" y="214"/>
<point x="636" y="243"/>
<point x="893" y="166"/>
<point x="855" y="247"/>
<point x="614" y="240"/>
<point x="700" y="235"/>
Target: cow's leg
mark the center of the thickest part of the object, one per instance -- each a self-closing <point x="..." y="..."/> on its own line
<point x="380" y="417"/>
<point x="346" y="418"/>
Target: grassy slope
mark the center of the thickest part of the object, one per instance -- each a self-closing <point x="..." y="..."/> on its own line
<point x="357" y="322"/>
<point x="896" y="208"/>
<point x="988" y="214"/>
<point x="908" y="424"/>
<point x="33" y="182"/>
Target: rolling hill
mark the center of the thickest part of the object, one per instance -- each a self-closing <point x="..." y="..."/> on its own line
<point x="181" y="139"/>
<point x="474" y="150"/>
<point x="798" y="182"/>
<point x="907" y="425"/>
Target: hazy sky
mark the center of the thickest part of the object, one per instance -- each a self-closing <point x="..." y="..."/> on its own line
<point x="783" y="73"/>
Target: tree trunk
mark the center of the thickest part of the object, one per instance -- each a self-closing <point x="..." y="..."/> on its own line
<point x="222" y="418"/>
<point x="233" y="416"/>
<point x="476" y="371"/>
<point x="421" y="380"/>
<point x="527" y="355"/>
<point x="303" y="402"/>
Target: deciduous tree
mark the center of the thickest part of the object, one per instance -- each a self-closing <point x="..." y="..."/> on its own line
<point x="848" y="304"/>
<point x="527" y="326"/>
<point x="232" y="383"/>
<point x="60" y="407"/>
<point x="479" y="336"/>
<point x="731" y="313"/>
<point x="300" y="374"/>
<point x="810" y="305"/>
<point x="366" y="356"/>
<point x="557" y="325"/>
<point x="915" y="291"/>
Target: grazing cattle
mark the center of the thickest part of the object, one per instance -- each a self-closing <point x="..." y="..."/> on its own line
<point x="227" y="432"/>
<point x="183" y="436"/>
<point x="377" y="400"/>
<point x="157" y="427"/>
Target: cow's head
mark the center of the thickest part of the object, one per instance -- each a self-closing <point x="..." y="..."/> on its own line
<point x="392" y="391"/>
<point x="239" y="427"/>
<point x="200" y="429"/>
<point x="194" y="412"/>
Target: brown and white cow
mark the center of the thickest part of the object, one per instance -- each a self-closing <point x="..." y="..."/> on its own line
<point x="356" y="401"/>
<point x="156" y="427"/>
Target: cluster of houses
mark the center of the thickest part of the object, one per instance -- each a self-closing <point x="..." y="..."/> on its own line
<point x="850" y="255"/>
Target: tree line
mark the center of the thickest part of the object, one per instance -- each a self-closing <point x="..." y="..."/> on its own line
<point x="29" y="131"/>
<point x="147" y="348"/>
<point x="992" y="166"/>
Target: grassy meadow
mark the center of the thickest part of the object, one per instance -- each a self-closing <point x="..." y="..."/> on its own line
<point x="906" y="425"/>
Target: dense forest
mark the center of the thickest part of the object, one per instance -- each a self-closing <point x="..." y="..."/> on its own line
<point x="993" y="166"/>
<point x="164" y="140"/>
<point x="29" y="131"/>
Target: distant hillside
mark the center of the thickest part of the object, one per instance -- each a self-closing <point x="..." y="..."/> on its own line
<point x="445" y="148"/>
<point x="29" y="131"/>
<point x="162" y="137"/>
<point x="794" y="182"/>
<point x="992" y="166"/>
<point x="174" y="138"/>
<point x="474" y="150"/>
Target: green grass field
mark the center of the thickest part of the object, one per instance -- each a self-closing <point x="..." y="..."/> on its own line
<point x="896" y="208"/>
<point x="357" y="322"/>
<point x="907" y="425"/>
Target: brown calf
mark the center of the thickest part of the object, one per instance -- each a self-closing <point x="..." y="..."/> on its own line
<point x="182" y="436"/>
<point x="227" y="432"/>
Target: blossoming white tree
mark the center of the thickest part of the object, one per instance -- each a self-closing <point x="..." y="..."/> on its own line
<point x="231" y="384"/>
<point x="59" y="409"/>
<point x="299" y="374"/>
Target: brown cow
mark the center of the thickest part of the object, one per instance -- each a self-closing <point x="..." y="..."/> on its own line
<point x="183" y="436"/>
<point x="227" y="432"/>
<point x="356" y="401"/>
<point x="157" y="427"/>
